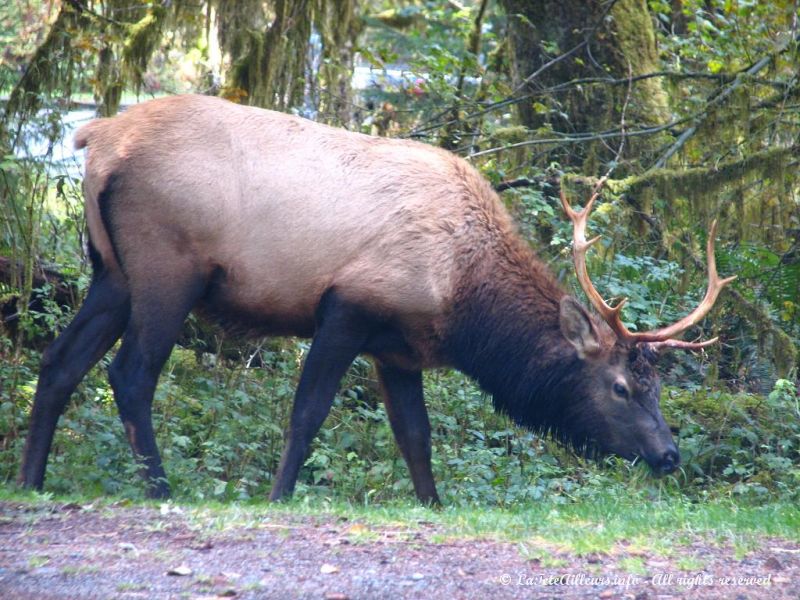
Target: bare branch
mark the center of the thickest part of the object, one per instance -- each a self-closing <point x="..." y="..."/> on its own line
<point x="720" y="97"/>
<point x="518" y="183"/>
<point x="83" y="9"/>
<point x="583" y="138"/>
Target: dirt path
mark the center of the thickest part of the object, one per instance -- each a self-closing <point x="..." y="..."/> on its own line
<point x="74" y="552"/>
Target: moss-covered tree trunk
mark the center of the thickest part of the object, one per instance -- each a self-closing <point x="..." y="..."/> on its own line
<point x="599" y="43"/>
<point x="339" y="24"/>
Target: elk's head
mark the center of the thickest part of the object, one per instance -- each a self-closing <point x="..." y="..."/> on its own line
<point x="617" y="376"/>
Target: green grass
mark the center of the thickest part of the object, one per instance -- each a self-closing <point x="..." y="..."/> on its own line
<point x="34" y="562"/>
<point x="690" y="563"/>
<point x="542" y="556"/>
<point x="635" y="565"/>
<point x="583" y="527"/>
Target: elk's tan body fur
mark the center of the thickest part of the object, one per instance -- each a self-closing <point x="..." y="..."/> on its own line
<point x="286" y="209"/>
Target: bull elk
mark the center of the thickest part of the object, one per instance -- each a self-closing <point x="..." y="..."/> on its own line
<point x="274" y="225"/>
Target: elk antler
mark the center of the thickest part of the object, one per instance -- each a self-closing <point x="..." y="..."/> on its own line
<point x="660" y="337"/>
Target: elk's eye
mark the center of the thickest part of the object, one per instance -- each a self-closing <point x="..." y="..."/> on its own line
<point x="620" y="390"/>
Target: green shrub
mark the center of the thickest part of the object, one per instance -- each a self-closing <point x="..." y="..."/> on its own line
<point x="220" y="429"/>
<point x="744" y="444"/>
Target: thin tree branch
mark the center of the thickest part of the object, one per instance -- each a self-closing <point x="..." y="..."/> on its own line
<point x="695" y="117"/>
<point x="720" y="97"/>
<point x="722" y="77"/>
<point x="582" y="138"/>
<point x="526" y="182"/>
<point x="511" y="100"/>
<point x="473" y="47"/>
<point x="615" y="162"/>
<point x="82" y="8"/>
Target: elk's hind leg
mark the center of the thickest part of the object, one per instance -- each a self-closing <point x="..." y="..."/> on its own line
<point x="159" y="306"/>
<point x="98" y="324"/>
<point x="341" y="331"/>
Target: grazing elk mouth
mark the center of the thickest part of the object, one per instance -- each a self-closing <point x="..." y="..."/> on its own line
<point x="669" y="462"/>
<point x="660" y="464"/>
<point x="663" y="464"/>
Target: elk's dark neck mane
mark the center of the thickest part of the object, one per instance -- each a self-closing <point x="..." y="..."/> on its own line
<point x="505" y="333"/>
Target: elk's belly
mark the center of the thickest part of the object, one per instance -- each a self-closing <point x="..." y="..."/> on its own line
<point x="257" y="308"/>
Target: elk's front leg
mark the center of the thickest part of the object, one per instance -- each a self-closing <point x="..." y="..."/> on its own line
<point x="405" y="405"/>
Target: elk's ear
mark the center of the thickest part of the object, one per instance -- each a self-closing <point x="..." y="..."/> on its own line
<point x="577" y="327"/>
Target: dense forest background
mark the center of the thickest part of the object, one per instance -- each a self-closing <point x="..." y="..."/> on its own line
<point x="691" y="107"/>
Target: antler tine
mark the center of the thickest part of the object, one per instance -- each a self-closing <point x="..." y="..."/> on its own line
<point x="681" y="345"/>
<point x="715" y="285"/>
<point x="579" y="247"/>
<point x="661" y="337"/>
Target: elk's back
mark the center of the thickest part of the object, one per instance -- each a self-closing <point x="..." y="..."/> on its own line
<point x="277" y="209"/>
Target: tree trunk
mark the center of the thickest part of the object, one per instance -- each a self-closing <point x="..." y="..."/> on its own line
<point x="553" y="42"/>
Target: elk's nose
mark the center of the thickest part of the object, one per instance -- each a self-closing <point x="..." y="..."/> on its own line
<point x="669" y="461"/>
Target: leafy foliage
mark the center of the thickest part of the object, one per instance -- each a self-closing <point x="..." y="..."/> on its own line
<point x="220" y="430"/>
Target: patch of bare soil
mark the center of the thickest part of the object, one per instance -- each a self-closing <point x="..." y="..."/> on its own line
<point x="74" y="552"/>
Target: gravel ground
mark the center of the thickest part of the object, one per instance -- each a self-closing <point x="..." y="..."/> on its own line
<point x="79" y="552"/>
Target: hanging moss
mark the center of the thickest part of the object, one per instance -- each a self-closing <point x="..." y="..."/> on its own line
<point x="401" y="18"/>
<point x="268" y="53"/>
<point x="141" y="42"/>
<point x="48" y="70"/>
<point x="289" y="67"/>
<point x="108" y="83"/>
<point x="772" y="341"/>
<point x="132" y="34"/>
<point x="234" y="20"/>
<point x="267" y="63"/>
<point x="700" y="183"/>
<point x="245" y="74"/>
